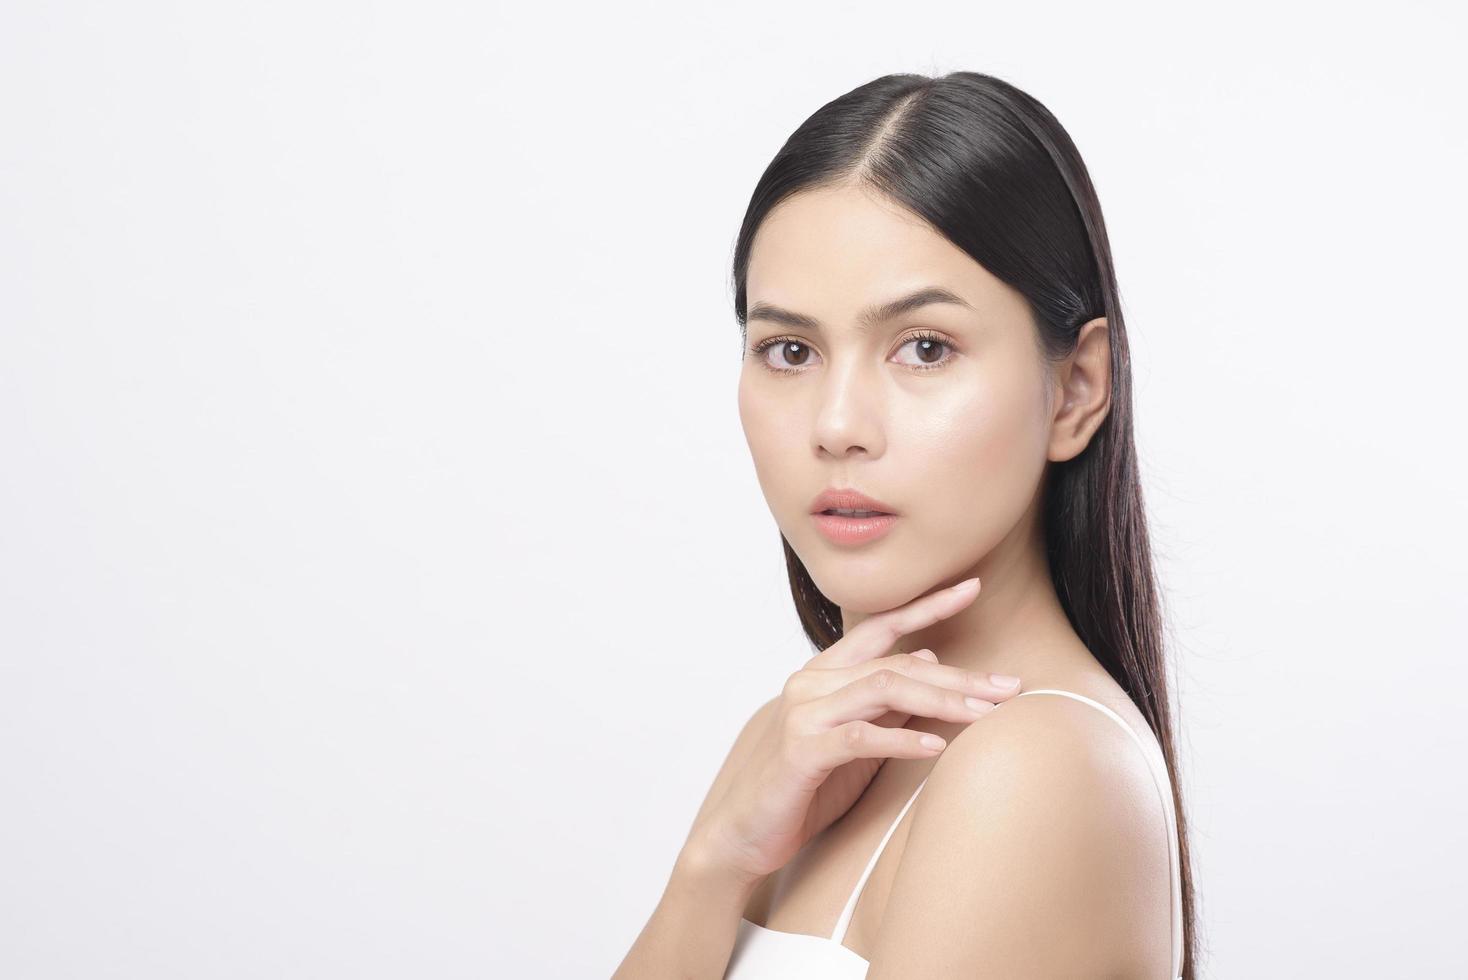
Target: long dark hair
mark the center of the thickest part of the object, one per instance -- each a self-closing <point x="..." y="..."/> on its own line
<point x="988" y="166"/>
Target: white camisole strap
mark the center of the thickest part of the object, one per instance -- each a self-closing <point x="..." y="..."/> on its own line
<point x="844" y="922"/>
<point x="1160" y="779"/>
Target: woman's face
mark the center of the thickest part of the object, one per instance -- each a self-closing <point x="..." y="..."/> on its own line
<point x="954" y="435"/>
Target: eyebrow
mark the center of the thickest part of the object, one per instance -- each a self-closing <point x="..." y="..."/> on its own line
<point x="869" y="317"/>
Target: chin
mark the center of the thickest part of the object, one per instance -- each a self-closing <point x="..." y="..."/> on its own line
<point x="866" y="584"/>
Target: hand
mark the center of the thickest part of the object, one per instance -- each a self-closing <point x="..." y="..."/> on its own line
<point x="837" y="720"/>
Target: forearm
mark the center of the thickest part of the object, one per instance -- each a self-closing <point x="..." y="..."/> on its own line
<point x="691" y="933"/>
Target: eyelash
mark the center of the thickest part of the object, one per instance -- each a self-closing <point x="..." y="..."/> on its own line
<point x="758" y="351"/>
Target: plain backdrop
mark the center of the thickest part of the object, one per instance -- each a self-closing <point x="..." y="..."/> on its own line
<point x="383" y="575"/>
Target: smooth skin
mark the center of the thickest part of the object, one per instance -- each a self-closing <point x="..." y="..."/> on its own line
<point x="798" y="765"/>
<point x="1037" y="847"/>
<point x="836" y="722"/>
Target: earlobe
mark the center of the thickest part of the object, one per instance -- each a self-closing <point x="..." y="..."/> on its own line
<point x="1084" y="392"/>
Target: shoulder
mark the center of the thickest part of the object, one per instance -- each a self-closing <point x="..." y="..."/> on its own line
<point x="1032" y="852"/>
<point x="1047" y="762"/>
<point x="1044" y="740"/>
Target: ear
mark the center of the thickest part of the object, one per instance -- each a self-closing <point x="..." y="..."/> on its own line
<point x="1082" y="392"/>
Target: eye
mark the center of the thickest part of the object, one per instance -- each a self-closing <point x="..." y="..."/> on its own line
<point x="927" y="347"/>
<point x="793" y="354"/>
<point x="788" y="350"/>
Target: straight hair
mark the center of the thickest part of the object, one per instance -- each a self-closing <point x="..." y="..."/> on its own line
<point x="990" y="168"/>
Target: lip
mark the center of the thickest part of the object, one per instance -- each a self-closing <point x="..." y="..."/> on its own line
<point x="853" y="530"/>
<point x="848" y="498"/>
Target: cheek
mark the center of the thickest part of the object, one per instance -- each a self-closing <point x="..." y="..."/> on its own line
<point x="769" y="441"/>
<point x="976" y="461"/>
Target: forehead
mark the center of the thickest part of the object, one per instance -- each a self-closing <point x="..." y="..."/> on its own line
<point x="830" y="251"/>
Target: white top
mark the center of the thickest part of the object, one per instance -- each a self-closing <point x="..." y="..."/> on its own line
<point x="767" y="954"/>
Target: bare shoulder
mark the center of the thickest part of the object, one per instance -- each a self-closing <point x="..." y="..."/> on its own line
<point x="1033" y="852"/>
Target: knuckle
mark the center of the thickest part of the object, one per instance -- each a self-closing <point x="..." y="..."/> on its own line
<point x="853" y="733"/>
<point x="883" y="679"/>
<point x="794" y="686"/>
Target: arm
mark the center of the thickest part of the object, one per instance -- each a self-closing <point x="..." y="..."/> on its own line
<point x="772" y="794"/>
<point x="1037" y="850"/>
<point x="691" y="932"/>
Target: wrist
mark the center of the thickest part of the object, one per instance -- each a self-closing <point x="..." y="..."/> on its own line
<point x="703" y="869"/>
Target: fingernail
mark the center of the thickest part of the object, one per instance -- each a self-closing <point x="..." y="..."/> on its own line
<point x="966" y="585"/>
<point x="926" y="655"/>
<point x="979" y="706"/>
<point x="1004" y="680"/>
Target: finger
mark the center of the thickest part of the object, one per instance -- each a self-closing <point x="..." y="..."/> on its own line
<point x="881" y="691"/>
<point x="863" y="740"/>
<point x="808" y="684"/>
<point x="875" y="635"/>
<point x="923" y="665"/>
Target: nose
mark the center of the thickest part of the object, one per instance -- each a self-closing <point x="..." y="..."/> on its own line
<point x="849" y="412"/>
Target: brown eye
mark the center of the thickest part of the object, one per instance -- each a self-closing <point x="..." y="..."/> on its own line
<point x="793" y="352"/>
<point x="793" y="355"/>
<point x="929" y="350"/>
<point x="790" y="355"/>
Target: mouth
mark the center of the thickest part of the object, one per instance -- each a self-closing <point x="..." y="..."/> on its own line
<point x="849" y="502"/>
<point x="852" y="527"/>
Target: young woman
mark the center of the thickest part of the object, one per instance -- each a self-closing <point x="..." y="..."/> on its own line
<point x="937" y="398"/>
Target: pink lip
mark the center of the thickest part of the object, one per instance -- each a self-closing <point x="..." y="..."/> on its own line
<point x="854" y="530"/>
<point x="846" y="498"/>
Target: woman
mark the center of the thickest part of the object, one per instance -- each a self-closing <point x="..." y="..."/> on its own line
<point x="936" y="395"/>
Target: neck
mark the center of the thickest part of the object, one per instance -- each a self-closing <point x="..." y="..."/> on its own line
<point x="1015" y="626"/>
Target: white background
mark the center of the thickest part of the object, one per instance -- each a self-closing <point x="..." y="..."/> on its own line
<point x="383" y="575"/>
